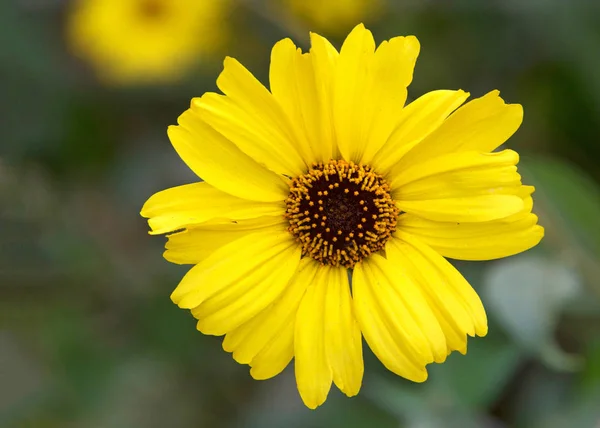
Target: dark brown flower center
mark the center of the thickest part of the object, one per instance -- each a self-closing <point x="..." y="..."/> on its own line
<point x="340" y="212"/>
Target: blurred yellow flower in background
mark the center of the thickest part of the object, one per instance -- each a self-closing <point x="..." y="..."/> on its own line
<point x="334" y="16"/>
<point x="145" y="41"/>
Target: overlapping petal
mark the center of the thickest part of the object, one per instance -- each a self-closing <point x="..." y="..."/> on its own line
<point x="248" y="340"/>
<point x="293" y="85"/>
<point x="369" y="91"/>
<point x="461" y="187"/>
<point x="343" y="340"/>
<point x="196" y="203"/>
<point x="475" y="241"/>
<point x="415" y="122"/>
<point x="523" y="192"/>
<point x="275" y="356"/>
<point x="457" y="174"/>
<point x="467" y="209"/>
<point x="459" y="309"/>
<point x="388" y="326"/>
<point x="324" y="59"/>
<point x="481" y="125"/>
<point x="241" y="264"/>
<point x="249" y="116"/>
<point x="391" y="73"/>
<point x="313" y="373"/>
<point x="194" y="244"/>
<point x="238" y="302"/>
<point x="327" y="340"/>
<point x="219" y="162"/>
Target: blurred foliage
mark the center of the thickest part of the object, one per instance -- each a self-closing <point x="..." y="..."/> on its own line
<point x="88" y="336"/>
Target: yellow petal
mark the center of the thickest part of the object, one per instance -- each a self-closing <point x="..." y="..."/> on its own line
<point x="523" y="192"/>
<point x="391" y="73"/>
<point x="394" y="277"/>
<point x="443" y="285"/>
<point x="343" y="341"/>
<point x="475" y="241"/>
<point x="458" y="175"/>
<point x="193" y="245"/>
<point x="241" y="261"/>
<point x="403" y="326"/>
<point x="382" y="315"/>
<point x="324" y="58"/>
<point x="415" y="122"/>
<point x="313" y="373"/>
<point x="349" y="92"/>
<point x="370" y="91"/>
<point x="455" y="162"/>
<point x="219" y="162"/>
<point x="237" y="303"/>
<point x="456" y="339"/>
<point x="264" y="116"/>
<point x="480" y="125"/>
<point x="276" y="355"/>
<point x="249" y="339"/>
<point x="293" y="85"/>
<point x="438" y="293"/>
<point x="259" y="138"/>
<point x="466" y="209"/>
<point x="196" y="203"/>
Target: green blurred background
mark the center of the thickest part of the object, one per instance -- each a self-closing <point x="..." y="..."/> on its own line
<point x="88" y="335"/>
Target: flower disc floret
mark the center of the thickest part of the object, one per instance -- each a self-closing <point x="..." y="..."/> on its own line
<point x="340" y="212"/>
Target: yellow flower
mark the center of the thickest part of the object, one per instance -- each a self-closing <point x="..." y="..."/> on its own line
<point x="144" y="41"/>
<point x="326" y="177"/>
<point x="334" y="16"/>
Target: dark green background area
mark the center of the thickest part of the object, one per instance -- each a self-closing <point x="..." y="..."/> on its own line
<point x="88" y="335"/>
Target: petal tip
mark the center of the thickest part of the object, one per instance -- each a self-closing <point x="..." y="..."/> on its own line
<point x="351" y="392"/>
<point x="313" y="404"/>
<point x="228" y="60"/>
<point x="185" y="300"/>
<point x="256" y="375"/>
<point x="414" y="41"/>
<point x="462" y="92"/>
<point x="284" y="41"/>
<point x="540" y="231"/>
<point x="175" y="297"/>
<point x="359" y="33"/>
<point x="518" y="110"/>
<point x="421" y="376"/>
<point x="314" y="37"/>
<point x="482" y="330"/>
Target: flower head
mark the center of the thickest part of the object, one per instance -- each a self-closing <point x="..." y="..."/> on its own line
<point x="144" y="41"/>
<point x="329" y="176"/>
